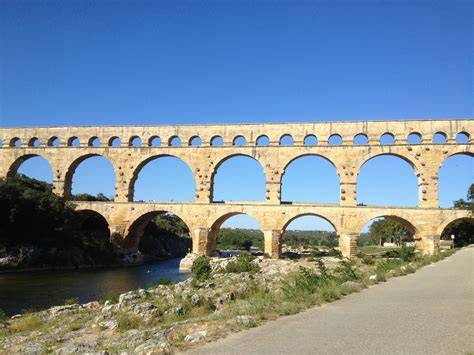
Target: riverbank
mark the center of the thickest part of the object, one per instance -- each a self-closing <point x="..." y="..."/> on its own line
<point x="167" y="318"/>
<point x="43" y="289"/>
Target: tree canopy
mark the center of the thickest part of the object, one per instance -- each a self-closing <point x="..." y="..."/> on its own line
<point x="388" y="229"/>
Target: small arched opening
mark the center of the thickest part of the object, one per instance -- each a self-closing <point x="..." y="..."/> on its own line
<point x="286" y="140"/>
<point x="217" y="141"/>
<point x="335" y="139"/>
<point x="239" y="141"/>
<point x="195" y="141"/>
<point x="414" y="138"/>
<point x="263" y="141"/>
<point x="310" y="139"/>
<point x="361" y="139"/>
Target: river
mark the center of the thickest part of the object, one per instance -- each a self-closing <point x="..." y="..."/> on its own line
<point x="37" y="290"/>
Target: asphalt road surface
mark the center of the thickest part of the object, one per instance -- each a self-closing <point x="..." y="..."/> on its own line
<point x="429" y="312"/>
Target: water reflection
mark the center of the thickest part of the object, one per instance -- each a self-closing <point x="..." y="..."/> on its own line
<point x="43" y="289"/>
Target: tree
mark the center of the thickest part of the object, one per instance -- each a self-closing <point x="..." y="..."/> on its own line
<point x="462" y="229"/>
<point x="386" y="229"/>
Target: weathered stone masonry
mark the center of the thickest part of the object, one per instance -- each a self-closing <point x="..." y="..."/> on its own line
<point x="204" y="217"/>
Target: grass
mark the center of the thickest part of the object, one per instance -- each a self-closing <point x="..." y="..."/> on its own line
<point x="374" y="249"/>
<point x="27" y="322"/>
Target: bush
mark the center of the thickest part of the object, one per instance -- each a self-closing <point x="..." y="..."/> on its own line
<point x="69" y="301"/>
<point x="161" y="281"/>
<point x="304" y="283"/>
<point x="407" y="253"/>
<point x="27" y="322"/>
<point x="128" y="321"/>
<point x="109" y="297"/>
<point x="201" y="269"/>
<point x="346" y="272"/>
<point x="404" y="253"/>
<point x="3" y="317"/>
<point x="367" y="259"/>
<point x="335" y="253"/>
<point x="243" y="263"/>
<point x="387" y="265"/>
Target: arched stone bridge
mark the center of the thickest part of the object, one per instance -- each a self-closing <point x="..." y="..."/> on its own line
<point x="66" y="147"/>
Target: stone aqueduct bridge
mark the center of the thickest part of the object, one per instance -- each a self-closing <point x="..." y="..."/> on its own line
<point x="127" y="219"/>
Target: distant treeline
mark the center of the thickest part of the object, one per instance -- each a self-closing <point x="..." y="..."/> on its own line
<point x="243" y="239"/>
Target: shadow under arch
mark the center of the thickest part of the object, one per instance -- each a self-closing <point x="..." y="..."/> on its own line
<point x="216" y="226"/>
<point x="225" y="159"/>
<point x="462" y="228"/>
<point x="139" y="168"/>
<point x="13" y="168"/>
<point x="136" y="228"/>
<point x="68" y="177"/>
<point x="301" y="156"/>
<point x="83" y="215"/>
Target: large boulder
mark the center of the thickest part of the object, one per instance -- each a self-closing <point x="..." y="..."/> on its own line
<point x="188" y="261"/>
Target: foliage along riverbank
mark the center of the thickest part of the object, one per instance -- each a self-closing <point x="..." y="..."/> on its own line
<point x="223" y="296"/>
<point x="39" y="231"/>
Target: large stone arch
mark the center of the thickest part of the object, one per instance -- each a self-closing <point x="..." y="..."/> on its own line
<point x="222" y="160"/>
<point x="15" y="165"/>
<point x="297" y="215"/>
<point x="405" y="220"/>
<point x="446" y="222"/>
<point x="72" y="169"/>
<point x="295" y="157"/>
<point x="138" y="222"/>
<point x="143" y="163"/>
<point x="216" y="224"/>
<point x="416" y="167"/>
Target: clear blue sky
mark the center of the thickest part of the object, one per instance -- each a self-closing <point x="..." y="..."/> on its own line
<point x="172" y="62"/>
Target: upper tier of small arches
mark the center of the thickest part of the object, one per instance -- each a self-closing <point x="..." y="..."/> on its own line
<point x="324" y="134"/>
<point x="239" y="140"/>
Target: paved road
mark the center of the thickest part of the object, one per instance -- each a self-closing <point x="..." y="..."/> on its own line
<point x="429" y="312"/>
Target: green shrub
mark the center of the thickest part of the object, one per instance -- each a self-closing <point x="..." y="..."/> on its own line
<point x="407" y="253"/>
<point x="161" y="281"/>
<point x="323" y="270"/>
<point x="243" y="263"/>
<point x="27" y="322"/>
<point x="109" y="297"/>
<point x="69" y="301"/>
<point x="3" y="317"/>
<point x="201" y="269"/>
<point x="127" y="321"/>
<point x="335" y="253"/>
<point x="367" y="259"/>
<point x="346" y="272"/>
<point x="387" y="265"/>
<point x="304" y="283"/>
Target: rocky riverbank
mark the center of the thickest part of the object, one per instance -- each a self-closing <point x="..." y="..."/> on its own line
<point x="166" y="318"/>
